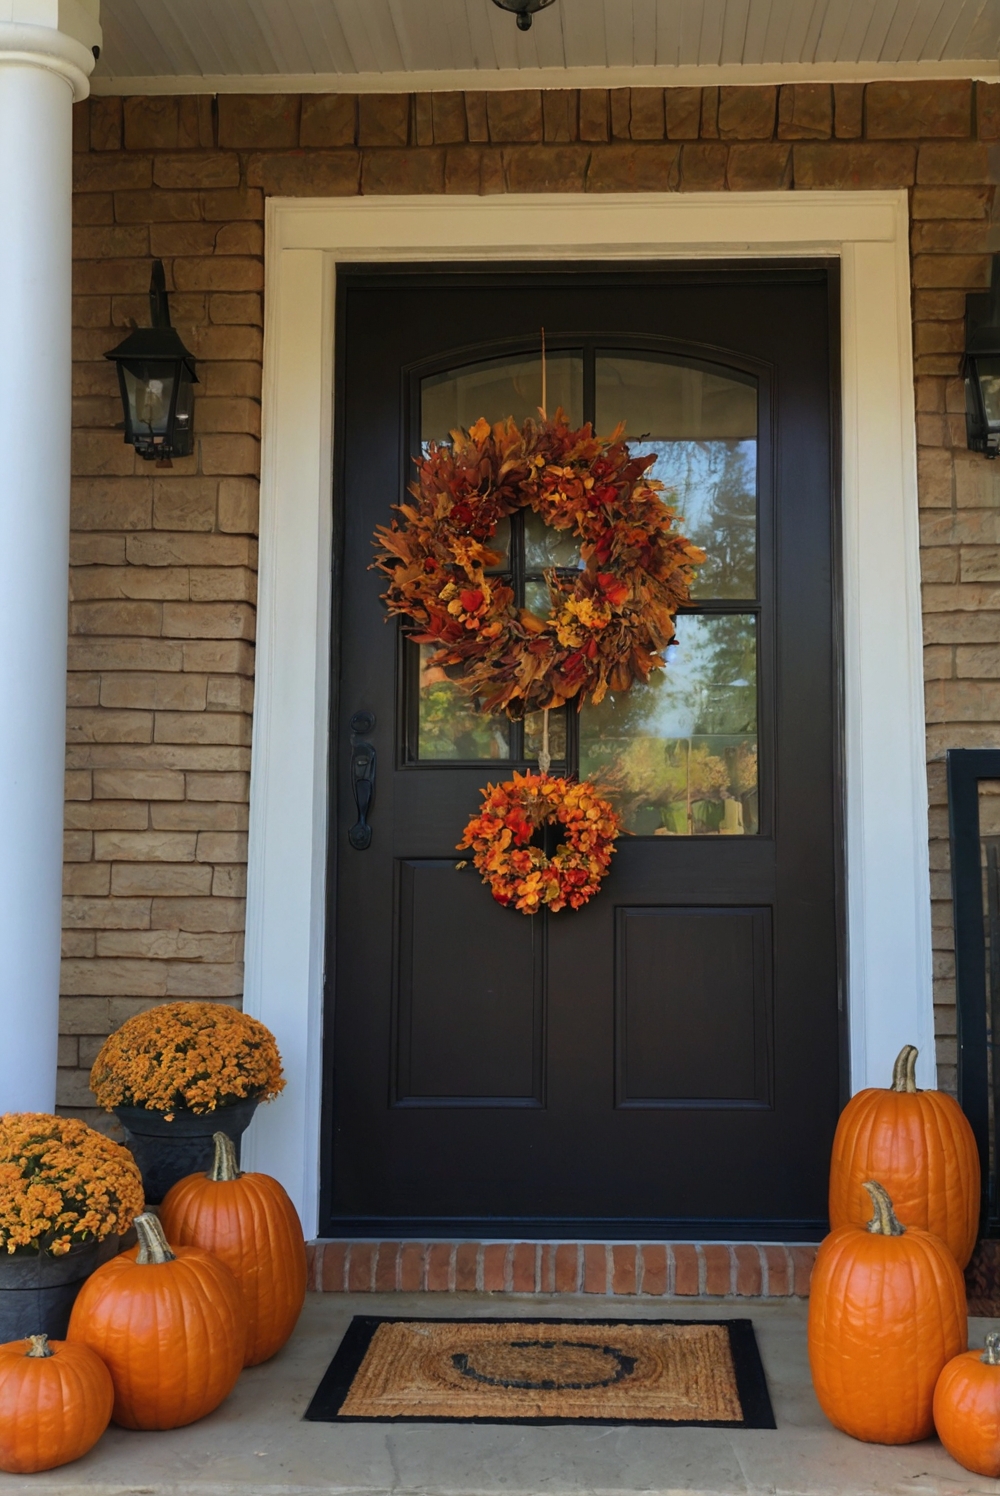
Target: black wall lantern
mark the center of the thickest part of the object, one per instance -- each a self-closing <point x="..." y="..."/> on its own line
<point x="156" y="377"/>
<point x="982" y="367"/>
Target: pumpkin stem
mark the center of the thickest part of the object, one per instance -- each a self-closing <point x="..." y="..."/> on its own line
<point x="152" y="1242"/>
<point x="904" y="1072"/>
<point x="225" y="1166"/>
<point x="39" y="1346"/>
<point x="883" y="1222"/>
<point x="991" y="1355"/>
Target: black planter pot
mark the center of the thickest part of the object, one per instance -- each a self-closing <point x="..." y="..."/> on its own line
<point x="168" y="1151"/>
<point x="37" y="1290"/>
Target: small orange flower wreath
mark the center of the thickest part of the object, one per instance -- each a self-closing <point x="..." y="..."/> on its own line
<point x="524" y="875"/>
<point x="608" y="623"/>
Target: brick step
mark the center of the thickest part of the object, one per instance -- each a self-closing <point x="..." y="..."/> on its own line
<point x="644" y="1269"/>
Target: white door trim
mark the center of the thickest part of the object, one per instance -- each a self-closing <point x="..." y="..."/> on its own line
<point x="888" y="885"/>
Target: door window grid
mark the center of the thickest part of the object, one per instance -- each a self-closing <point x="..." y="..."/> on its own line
<point x="679" y="754"/>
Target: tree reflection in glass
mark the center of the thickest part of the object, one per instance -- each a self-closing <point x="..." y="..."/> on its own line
<point x="679" y="755"/>
<point x="715" y="484"/>
<point x="450" y="724"/>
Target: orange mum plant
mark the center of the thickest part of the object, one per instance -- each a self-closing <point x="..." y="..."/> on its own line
<point x="608" y="623"/>
<point x="62" y="1184"/>
<point x="523" y="874"/>
<point x="195" y="1056"/>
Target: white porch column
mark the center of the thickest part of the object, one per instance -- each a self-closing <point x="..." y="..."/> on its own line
<point x="45" y="61"/>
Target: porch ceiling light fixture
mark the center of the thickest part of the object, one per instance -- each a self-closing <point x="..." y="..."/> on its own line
<point x="524" y="10"/>
<point x="156" y="378"/>
<point x="981" y="367"/>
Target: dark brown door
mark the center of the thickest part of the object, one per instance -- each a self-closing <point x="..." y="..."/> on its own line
<point x="667" y="1058"/>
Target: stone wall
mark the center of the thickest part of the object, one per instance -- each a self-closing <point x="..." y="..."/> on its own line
<point x="163" y="564"/>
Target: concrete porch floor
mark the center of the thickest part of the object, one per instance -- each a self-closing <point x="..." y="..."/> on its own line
<point x="257" y="1445"/>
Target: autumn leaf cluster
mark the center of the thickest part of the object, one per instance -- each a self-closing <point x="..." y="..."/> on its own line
<point x="62" y="1183"/>
<point x="608" y="624"/>
<point x="187" y="1055"/>
<point x="521" y="873"/>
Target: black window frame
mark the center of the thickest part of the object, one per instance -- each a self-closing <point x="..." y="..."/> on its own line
<point x="966" y="768"/>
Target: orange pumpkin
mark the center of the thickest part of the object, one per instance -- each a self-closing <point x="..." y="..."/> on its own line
<point x="967" y="1408"/>
<point x="886" y="1312"/>
<point x="169" y="1326"/>
<point x="55" y="1403"/>
<point x="249" y="1222"/>
<point x="920" y="1146"/>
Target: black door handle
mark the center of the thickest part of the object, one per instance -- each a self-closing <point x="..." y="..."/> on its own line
<point x="363" y="782"/>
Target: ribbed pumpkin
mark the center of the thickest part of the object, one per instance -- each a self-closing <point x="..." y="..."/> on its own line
<point x="169" y="1326"/>
<point x="55" y="1403"/>
<point x="920" y="1146"/>
<point x="967" y="1408"/>
<point x="886" y="1313"/>
<point x="249" y="1222"/>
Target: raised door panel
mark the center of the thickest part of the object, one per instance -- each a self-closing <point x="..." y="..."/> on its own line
<point x="470" y="991"/>
<point x="693" y="1007"/>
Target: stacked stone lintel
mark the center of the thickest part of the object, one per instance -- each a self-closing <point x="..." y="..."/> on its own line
<point x="164" y="560"/>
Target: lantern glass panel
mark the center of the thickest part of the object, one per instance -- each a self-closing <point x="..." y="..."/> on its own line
<point x="988" y="370"/>
<point x="184" y="412"/>
<point x="149" y="388"/>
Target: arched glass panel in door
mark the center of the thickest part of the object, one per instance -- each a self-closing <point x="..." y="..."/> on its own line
<point x="679" y="755"/>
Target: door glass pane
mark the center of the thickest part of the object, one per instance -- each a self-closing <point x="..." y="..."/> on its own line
<point x="449" y="725"/>
<point x="544" y="547"/>
<point x="497" y="388"/>
<point x="678" y="756"/>
<point x="702" y="428"/>
<point x="536" y="598"/>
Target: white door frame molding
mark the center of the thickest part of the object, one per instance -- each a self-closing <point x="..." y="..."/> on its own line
<point x="888" y="978"/>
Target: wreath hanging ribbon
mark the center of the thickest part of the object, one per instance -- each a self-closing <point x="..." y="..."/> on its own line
<point x="608" y="624"/>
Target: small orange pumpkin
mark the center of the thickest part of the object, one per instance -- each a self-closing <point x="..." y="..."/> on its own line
<point x="967" y="1408"/>
<point x="886" y="1312"/>
<point x="248" y="1221"/>
<point x="921" y="1147"/>
<point x="169" y="1326"/>
<point x="55" y="1403"/>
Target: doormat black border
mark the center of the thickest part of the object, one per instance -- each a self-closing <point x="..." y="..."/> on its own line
<point x="751" y="1383"/>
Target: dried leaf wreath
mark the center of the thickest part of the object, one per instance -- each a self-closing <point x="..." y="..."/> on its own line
<point x="609" y="623"/>
<point x="525" y="875"/>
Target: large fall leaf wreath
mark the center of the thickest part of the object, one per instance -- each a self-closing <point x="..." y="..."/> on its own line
<point x="524" y="875"/>
<point x="608" y="623"/>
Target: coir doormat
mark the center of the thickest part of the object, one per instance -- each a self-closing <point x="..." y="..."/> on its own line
<point x="677" y="1372"/>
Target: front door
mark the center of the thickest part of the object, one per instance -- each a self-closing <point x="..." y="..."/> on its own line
<point x="665" y="1059"/>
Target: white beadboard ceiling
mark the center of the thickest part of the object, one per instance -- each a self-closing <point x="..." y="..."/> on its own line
<point x="267" y="45"/>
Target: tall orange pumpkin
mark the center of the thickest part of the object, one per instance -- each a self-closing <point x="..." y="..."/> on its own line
<point x="55" y="1403"/>
<point x="886" y="1312"/>
<point x="967" y="1408"/>
<point x="248" y="1221"/>
<point x="169" y="1326"/>
<point x="920" y="1146"/>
